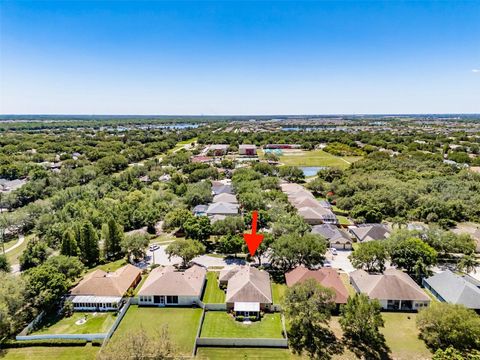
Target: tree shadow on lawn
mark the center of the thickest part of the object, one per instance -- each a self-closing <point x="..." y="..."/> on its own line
<point x="376" y="349"/>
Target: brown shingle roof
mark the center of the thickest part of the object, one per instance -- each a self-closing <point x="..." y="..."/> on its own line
<point x="167" y="281"/>
<point x="326" y="277"/>
<point x="392" y="285"/>
<point x="249" y="285"/>
<point x="101" y="283"/>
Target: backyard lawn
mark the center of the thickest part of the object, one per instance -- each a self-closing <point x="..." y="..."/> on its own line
<point x="220" y="324"/>
<point x="204" y="353"/>
<point x="98" y="323"/>
<point x="316" y="158"/>
<point x="182" y="324"/>
<point x="87" y="352"/>
<point x="278" y="291"/>
<point x="213" y="294"/>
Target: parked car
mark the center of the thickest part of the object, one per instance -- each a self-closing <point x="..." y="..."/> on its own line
<point x="154" y="247"/>
<point x="333" y="251"/>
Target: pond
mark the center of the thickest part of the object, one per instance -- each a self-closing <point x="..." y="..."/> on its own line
<point x="311" y="170"/>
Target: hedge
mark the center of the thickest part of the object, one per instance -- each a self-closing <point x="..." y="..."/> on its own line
<point x="47" y="342"/>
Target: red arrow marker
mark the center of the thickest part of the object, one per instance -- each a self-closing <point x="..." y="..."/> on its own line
<point x="253" y="240"/>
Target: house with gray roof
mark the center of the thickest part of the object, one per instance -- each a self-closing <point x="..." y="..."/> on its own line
<point x="225" y="197"/>
<point x="394" y="289"/>
<point x="369" y="232"/>
<point x="455" y="289"/>
<point x="222" y="189"/>
<point x="248" y="291"/>
<point x="200" y="210"/>
<point x="222" y="208"/>
<point x="337" y="238"/>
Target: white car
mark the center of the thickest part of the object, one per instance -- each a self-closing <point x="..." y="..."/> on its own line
<point x="154" y="247"/>
<point x="327" y="263"/>
<point x="333" y="251"/>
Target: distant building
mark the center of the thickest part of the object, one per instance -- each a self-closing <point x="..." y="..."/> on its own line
<point x="369" y="232"/>
<point x="225" y="197"/>
<point x="248" y="150"/>
<point x="222" y="208"/>
<point x="218" y="149"/>
<point x="337" y="238"/>
<point x="282" y="146"/>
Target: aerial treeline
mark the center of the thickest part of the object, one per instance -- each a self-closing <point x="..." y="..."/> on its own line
<point x="96" y="154"/>
<point x="411" y="186"/>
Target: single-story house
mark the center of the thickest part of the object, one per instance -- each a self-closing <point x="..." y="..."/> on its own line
<point x="225" y="197"/>
<point x="222" y="189"/>
<point x="222" y="208"/>
<point x="249" y="291"/>
<point x="291" y="188"/>
<point x="167" y="287"/>
<point x="218" y="149"/>
<point x="317" y="215"/>
<point x="455" y="289"/>
<point x="369" y="232"/>
<point x="282" y="146"/>
<point x="200" y="210"/>
<point x="337" y="238"/>
<point x="103" y="291"/>
<point x="394" y="289"/>
<point x="326" y="277"/>
<point x="247" y="149"/>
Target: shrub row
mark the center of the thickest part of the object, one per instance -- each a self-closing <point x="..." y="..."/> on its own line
<point x="47" y="342"/>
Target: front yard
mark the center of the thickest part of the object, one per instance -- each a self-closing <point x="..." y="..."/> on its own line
<point x="96" y="323"/>
<point x="213" y="294"/>
<point x="218" y="324"/>
<point x="182" y="324"/>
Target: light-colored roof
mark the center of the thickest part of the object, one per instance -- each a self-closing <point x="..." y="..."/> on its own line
<point x="166" y="281"/>
<point x="332" y="233"/>
<point x="225" y="197"/>
<point x="456" y="289"/>
<point x="247" y="146"/>
<point x="249" y="285"/>
<point x="222" y="208"/>
<point x="290" y="188"/>
<point x="227" y="273"/>
<point x="222" y="188"/>
<point x="315" y="213"/>
<point x="306" y="201"/>
<point x="327" y="277"/>
<point x="392" y="285"/>
<point x="101" y="283"/>
<point x="371" y="232"/>
<point x="218" y="147"/>
<point x="246" y="306"/>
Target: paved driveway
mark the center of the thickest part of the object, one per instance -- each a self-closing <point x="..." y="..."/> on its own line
<point x="341" y="261"/>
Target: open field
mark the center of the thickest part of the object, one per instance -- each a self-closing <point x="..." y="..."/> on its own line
<point x="316" y="158"/>
<point x="87" y="352"/>
<point x="98" y="323"/>
<point x="182" y="324"/>
<point x="213" y="294"/>
<point x="221" y="324"/>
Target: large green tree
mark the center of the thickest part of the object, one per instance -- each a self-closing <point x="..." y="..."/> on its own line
<point x="34" y="254"/>
<point x="4" y="264"/>
<point x="308" y="308"/>
<point x="12" y="302"/>
<point x="112" y="236"/>
<point x="413" y="255"/>
<point x="360" y="321"/>
<point x="69" y="245"/>
<point x="185" y="249"/>
<point x="90" y="252"/>
<point x="370" y="256"/>
<point x="442" y="325"/>
<point x="135" y="245"/>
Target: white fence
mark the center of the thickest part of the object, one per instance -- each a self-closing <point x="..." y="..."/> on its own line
<point x="119" y="318"/>
<point x="87" y="337"/>
<point x="216" y="307"/>
<point x="32" y="324"/>
<point x="238" y="342"/>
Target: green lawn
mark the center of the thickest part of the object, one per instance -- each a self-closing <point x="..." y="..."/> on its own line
<point x="401" y="335"/>
<point x="87" y="352"/>
<point x="100" y="323"/>
<point x="111" y="266"/>
<point x="213" y="294"/>
<point x="243" y="353"/>
<point x="343" y="220"/>
<point x="278" y="291"/>
<point x="182" y="324"/>
<point x="346" y="281"/>
<point x="13" y="255"/>
<point x="221" y="324"/>
<point x="316" y="158"/>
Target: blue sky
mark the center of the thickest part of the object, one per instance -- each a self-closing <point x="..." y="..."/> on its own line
<point x="239" y="57"/>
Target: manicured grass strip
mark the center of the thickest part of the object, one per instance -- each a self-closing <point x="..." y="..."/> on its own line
<point x="213" y="294"/>
<point x="15" y="254"/>
<point x="346" y="281"/>
<point x="87" y="352"/>
<point x="243" y="353"/>
<point x="182" y="324"/>
<point x="316" y="158"/>
<point x="221" y="324"/>
<point x="278" y="291"/>
<point x="100" y="323"/>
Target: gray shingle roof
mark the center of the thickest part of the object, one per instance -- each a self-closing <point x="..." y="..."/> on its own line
<point x="331" y="233"/>
<point x="222" y="208"/>
<point x="371" y="232"/>
<point x="455" y="289"/>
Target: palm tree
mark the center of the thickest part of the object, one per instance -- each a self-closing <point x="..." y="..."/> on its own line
<point x="468" y="263"/>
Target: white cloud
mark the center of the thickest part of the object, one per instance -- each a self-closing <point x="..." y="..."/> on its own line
<point x="476" y="70"/>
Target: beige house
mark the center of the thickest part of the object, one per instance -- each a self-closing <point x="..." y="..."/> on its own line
<point x="103" y="291"/>
<point x="248" y="290"/>
<point x="394" y="289"/>
<point x="167" y="287"/>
